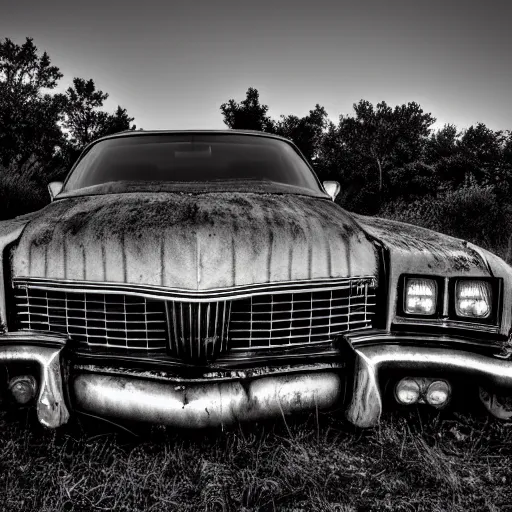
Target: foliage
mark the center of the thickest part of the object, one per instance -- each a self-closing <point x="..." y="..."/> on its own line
<point x="249" y="114"/>
<point x="386" y="136"/>
<point x="306" y="132"/>
<point x="470" y="212"/>
<point x="41" y="134"/>
<point x="390" y="162"/>
<point x="83" y="118"/>
<point x="415" y="179"/>
<point x="29" y="117"/>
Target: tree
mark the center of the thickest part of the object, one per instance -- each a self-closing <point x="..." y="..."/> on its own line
<point x="249" y="114"/>
<point x="483" y="148"/>
<point x="83" y="118"/>
<point x="306" y="132"/>
<point x="475" y="155"/>
<point x="386" y="136"/>
<point x="29" y="130"/>
<point x="442" y="143"/>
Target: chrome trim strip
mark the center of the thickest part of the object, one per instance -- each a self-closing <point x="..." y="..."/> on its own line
<point x="446" y="323"/>
<point x="372" y="336"/>
<point x="158" y="292"/>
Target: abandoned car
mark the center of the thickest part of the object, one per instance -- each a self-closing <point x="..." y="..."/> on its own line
<point x="201" y="278"/>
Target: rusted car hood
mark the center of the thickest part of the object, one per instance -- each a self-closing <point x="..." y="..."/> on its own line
<point x="414" y="249"/>
<point x="193" y="241"/>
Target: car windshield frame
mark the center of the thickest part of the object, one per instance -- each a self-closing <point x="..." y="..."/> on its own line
<point x="294" y="166"/>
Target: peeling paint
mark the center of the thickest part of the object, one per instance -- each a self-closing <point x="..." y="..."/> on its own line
<point x="244" y="239"/>
<point x="442" y="253"/>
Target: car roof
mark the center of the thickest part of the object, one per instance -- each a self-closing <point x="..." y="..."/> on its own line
<point x="135" y="133"/>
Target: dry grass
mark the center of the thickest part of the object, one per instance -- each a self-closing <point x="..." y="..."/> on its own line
<point x="417" y="462"/>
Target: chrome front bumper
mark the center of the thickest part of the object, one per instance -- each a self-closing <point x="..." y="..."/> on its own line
<point x="223" y="402"/>
<point x="207" y="404"/>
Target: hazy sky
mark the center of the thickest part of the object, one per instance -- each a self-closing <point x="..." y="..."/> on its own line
<point x="172" y="64"/>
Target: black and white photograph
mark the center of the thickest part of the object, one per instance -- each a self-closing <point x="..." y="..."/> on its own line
<point x="256" y="256"/>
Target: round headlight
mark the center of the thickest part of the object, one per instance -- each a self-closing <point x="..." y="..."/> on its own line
<point x="407" y="391"/>
<point x="438" y="393"/>
<point x="23" y="388"/>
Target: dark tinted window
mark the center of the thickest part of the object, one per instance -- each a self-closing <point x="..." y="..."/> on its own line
<point x="185" y="158"/>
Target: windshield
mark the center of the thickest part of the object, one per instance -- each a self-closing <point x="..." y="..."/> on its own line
<point x="192" y="158"/>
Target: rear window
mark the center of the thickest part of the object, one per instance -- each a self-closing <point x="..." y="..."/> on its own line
<point x="192" y="158"/>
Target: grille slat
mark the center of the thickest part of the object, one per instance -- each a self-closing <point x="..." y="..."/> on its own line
<point x="350" y="313"/>
<point x="298" y="327"/>
<point x="195" y="333"/>
<point x="362" y="322"/>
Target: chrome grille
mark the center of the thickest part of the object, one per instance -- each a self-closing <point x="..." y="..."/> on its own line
<point x="198" y="331"/>
<point x="96" y="319"/>
<point x="279" y="320"/>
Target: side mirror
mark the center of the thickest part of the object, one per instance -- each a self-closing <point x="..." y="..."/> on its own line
<point x="55" y="188"/>
<point x="332" y="188"/>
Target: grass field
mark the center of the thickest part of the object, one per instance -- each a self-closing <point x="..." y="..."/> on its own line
<point x="421" y="461"/>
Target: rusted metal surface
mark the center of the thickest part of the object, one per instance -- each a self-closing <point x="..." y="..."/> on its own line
<point x="365" y="407"/>
<point x="210" y="374"/>
<point x="194" y="241"/>
<point x="10" y="230"/>
<point x="50" y="405"/>
<point x="416" y="250"/>
<point x="206" y="405"/>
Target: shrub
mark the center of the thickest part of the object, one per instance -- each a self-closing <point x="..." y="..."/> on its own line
<point x="412" y="180"/>
<point x="472" y="213"/>
<point x="21" y="194"/>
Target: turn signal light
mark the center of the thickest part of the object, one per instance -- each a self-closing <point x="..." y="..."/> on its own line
<point x="438" y="393"/>
<point x="23" y="388"/>
<point x="434" y="392"/>
<point x="407" y="391"/>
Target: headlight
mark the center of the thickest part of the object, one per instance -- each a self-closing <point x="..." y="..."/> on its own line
<point x="420" y="296"/>
<point x="438" y="393"/>
<point x="407" y="391"/>
<point x="473" y="299"/>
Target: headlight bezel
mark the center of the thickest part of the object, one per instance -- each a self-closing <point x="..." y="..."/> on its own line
<point x="445" y="310"/>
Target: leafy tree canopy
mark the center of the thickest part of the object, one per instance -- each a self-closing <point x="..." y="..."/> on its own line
<point x="249" y="114"/>
<point x="83" y="118"/>
<point x="385" y="135"/>
<point x="29" y="118"/>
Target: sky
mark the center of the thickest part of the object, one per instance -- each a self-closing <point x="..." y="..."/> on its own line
<point x="172" y="64"/>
